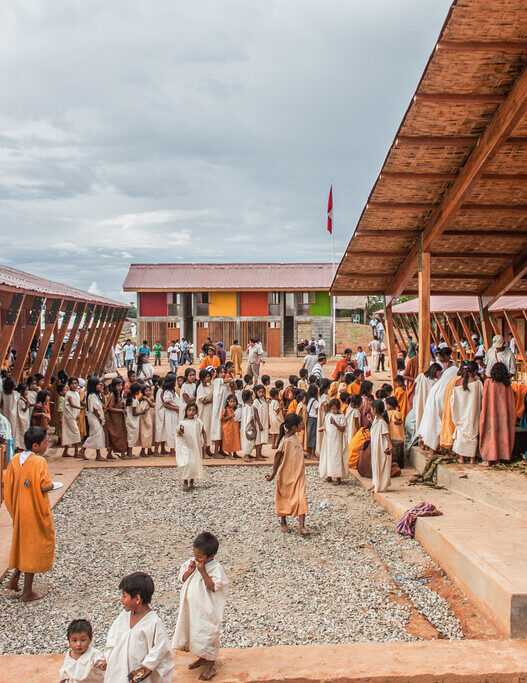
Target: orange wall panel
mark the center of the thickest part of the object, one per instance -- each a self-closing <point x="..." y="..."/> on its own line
<point x="253" y="303"/>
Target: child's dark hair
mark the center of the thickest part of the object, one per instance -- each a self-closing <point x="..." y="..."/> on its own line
<point x="348" y="378"/>
<point x="21" y="388"/>
<point x="313" y="379"/>
<point x="303" y="373"/>
<point x="334" y="402"/>
<point x="366" y="388"/>
<point x="301" y="395"/>
<point x="312" y="391"/>
<point x="192" y="403"/>
<point x="42" y="396"/>
<point x="60" y="387"/>
<point x="391" y="402"/>
<point x="135" y="388"/>
<point x="207" y="542"/>
<point x="357" y="373"/>
<point x="34" y="435"/>
<point x="293" y="380"/>
<point x="387" y="389"/>
<point x="230" y="397"/>
<point x="258" y="387"/>
<point x="379" y="394"/>
<point x="291" y="420"/>
<point x="71" y="380"/>
<point x="247" y="393"/>
<point x="138" y="584"/>
<point x="355" y="400"/>
<point x="79" y="626"/>
<point x="378" y="409"/>
<point x="399" y="379"/>
<point x="279" y="384"/>
<point x="273" y="393"/>
<point x="239" y="384"/>
<point x="248" y="379"/>
<point x="344" y="397"/>
<point x="266" y="380"/>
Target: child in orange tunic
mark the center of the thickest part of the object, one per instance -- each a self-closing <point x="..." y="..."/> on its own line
<point x="230" y="427"/>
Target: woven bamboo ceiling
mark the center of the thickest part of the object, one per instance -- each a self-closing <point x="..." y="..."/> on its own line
<point x="455" y="178"/>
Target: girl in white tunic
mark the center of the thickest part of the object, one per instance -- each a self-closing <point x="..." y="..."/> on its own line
<point x="247" y="425"/>
<point x="143" y="370"/>
<point x="188" y="389"/>
<point x="261" y="410"/>
<point x="352" y="416"/>
<point x="430" y="426"/>
<point x="201" y="605"/>
<point x="32" y="394"/>
<point x="380" y="448"/>
<point x="9" y="402"/>
<point x="276" y="417"/>
<point x="132" y="418"/>
<point x="323" y="399"/>
<point x="96" y="420"/>
<point x="189" y="446"/>
<point x="172" y="405"/>
<point x="159" y="422"/>
<point x="465" y="402"/>
<point x="333" y="466"/>
<point x="22" y="417"/>
<point x="220" y="391"/>
<point x="204" y="402"/>
<point x="146" y="422"/>
<point x="71" y="435"/>
<point x="423" y="383"/>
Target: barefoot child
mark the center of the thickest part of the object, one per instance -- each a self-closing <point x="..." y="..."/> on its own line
<point x="289" y="468"/>
<point x="261" y="415"/>
<point x="333" y="466"/>
<point x="189" y="446"/>
<point x="159" y="421"/>
<point x="137" y="642"/>
<point x="95" y="413"/>
<point x="230" y="423"/>
<point x="71" y="435"/>
<point x="146" y="422"/>
<point x="82" y="662"/>
<point x="171" y="406"/>
<point x="247" y="424"/>
<point x="201" y="605"/>
<point x="26" y="486"/>
<point x="381" y="448"/>
<point x="275" y="416"/>
<point x="204" y="401"/>
<point x="132" y="416"/>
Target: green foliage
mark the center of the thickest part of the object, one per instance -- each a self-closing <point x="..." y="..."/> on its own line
<point x="375" y="303"/>
<point x="132" y="311"/>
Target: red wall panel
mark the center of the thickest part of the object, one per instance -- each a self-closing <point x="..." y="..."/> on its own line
<point x="253" y="303"/>
<point x="153" y="303"/>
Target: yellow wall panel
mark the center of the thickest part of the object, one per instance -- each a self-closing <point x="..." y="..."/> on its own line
<point x="222" y="304"/>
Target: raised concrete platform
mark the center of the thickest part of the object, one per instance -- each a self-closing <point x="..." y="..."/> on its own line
<point x="435" y="661"/>
<point x="483" y="549"/>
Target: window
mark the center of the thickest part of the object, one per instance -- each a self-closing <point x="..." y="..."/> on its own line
<point x="274" y="303"/>
<point x="275" y="297"/>
<point x="202" y="298"/>
<point x="202" y="303"/>
<point x="176" y="298"/>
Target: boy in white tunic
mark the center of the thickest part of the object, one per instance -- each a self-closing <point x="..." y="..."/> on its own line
<point x="137" y="647"/>
<point x="82" y="661"/>
<point x="334" y="459"/>
<point x="201" y="605"/>
<point x="190" y="438"/>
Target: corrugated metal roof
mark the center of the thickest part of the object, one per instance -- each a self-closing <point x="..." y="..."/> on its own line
<point x="463" y="304"/>
<point x="228" y="276"/>
<point x="18" y="279"/>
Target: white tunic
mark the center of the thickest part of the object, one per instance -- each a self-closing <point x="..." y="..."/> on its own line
<point x="159" y="427"/>
<point x="145" y="374"/>
<point x="22" y="422"/>
<point x="32" y="398"/>
<point x="200" y="615"/>
<point x="189" y="448"/>
<point x="334" y="457"/>
<point x="246" y="417"/>
<point x="275" y="416"/>
<point x="262" y="435"/>
<point x="84" y="668"/>
<point x="132" y="423"/>
<point x="205" y="410"/>
<point x="10" y="402"/>
<point x="320" y="423"/>
<point x="97" y="438"/>
<point x="146" y="644"/>
<point x="188" y="388"/>
<point x="220" y="391"/>
<point x="466" y="411"/>
<point x="352" y="422"/>
<point x="422" y="388"/>
<point x="70" y="429"/>
<point x="381" y="462"/>
<point x="430" y="426"/>
<point x="171" y="417"/>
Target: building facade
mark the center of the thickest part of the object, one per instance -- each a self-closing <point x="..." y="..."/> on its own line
<point x="279" y="303"/>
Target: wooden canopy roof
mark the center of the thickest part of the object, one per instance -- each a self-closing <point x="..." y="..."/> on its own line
<point x="454" y="181"/>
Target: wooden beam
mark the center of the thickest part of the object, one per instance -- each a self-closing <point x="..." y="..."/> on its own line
<point x="118" y="330"/>
<point x="403" y="346"/>
<point x="482" y="45"/>
<point x="57" y="342"/>
<point x="517" y="337"/>
<point x="479" y="255"/>
<point x="509" y="234"/>
<point x="29" y="332"/>
<point x="452" y="140"/>
<point x="377" y="254"/>
<point x="443" y="330"/>
<point x="502" y="124"/>
<point x="477" y="324"/>
<point x="467" y="332"/>
<point x="508" y="278"/>
<point x="111" y="323"/>
<point x="455" y="334"/>
<point x="50" y="320"/>
<point x="450" y="177"/>
<point x="457" y="98"/>
<point x="361" y="232"/>
<point x="434" y="331"/>
<point x="494" y="324"/>
<point x="8" y="328"/>
<point x="390" y="341"/>
<point x="424" y="308"/>
<point x="98" y="342"/>
<point x="485" y="324"/>
<point x="87" y="359"/>
<point x="401" y="206"/>
<point x="71" y="363"/>
<point x="79" y="313"/>
<point x="428" y="206"/>
<point x="414" y="328"/>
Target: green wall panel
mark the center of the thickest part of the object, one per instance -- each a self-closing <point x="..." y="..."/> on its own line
<point x="322" y="304"/>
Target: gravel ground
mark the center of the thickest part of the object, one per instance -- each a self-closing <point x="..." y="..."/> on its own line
<point x="335" y="586"/>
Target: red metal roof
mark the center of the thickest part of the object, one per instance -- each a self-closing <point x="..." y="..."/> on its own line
<point x="13" y="279"/>
<point x="228" y="276"/>
<point x="463" y="304"/>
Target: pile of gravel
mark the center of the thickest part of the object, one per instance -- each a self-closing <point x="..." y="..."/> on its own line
<point x="337" y="586"/>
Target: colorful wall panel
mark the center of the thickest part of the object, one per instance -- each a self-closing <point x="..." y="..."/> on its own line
<point x="153" y="303"/>
<point x="322" y="305"/>
<point x="223" y="304"/>
<point x="253" y="303"/>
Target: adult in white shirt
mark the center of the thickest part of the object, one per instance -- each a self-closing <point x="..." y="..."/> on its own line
<point x="310" y="360"/>
<point x="375" y="348"/>
<point x="254" y="352"/>
<point x="173" y="356"/>
<point x="512" y="343"/>
<point x="119" y="355"/>
<point x="321" y="344"/>
<point x="380" y="330"/>
<point x="500" y="352"/>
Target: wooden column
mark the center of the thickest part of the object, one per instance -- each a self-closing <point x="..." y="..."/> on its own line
<point x="404" y="345"/>
<point x="467" y="332"/>
<point x="456" y="336"/>
<point x="423" y="267"/>
<point x="50" y="320"/>
<point x="106" y="338"/>
<point x="57" y="342"/>
<point x="477" y="324"/>
<point x="99" y="341"/>
<point x="13" y="314"/>
<point x="443" y="330"/>
<point x="390" y="341"/>
<point x="71" y="363"/>
<point x="110" y="341"/>
<point x="86" y="361"/>
<point x="517" y="338"/>
<point x="485" y="325"/>
<point x="121" y="319"/>
<point x="415" y="329"/>
<point x="31" y="327"/>
<point x="79" y="312"/>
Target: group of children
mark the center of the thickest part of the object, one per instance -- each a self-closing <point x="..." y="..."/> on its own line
<point x="137" y="645"/>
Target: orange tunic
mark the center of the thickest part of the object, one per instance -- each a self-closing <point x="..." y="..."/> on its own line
<point x="353" y="388"/>
<point x="290" y="496"/>
<point x="208" y="361"/>
<point x="402" y="400"/>
<point x="446" y="438"/>
<point x="355" y="445"/>
<point x="291" y="408"/>
<point x="230" y="429"/>
<point x="520" y="390"/>
<point x="333" y="389"/>
<point x="33" y="544"/>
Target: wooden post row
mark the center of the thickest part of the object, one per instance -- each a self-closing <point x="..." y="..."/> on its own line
<point x="390" y="341"/>
<point x="50" y="320"/>
<point x="13" y="314"/>
<point x="88" y="342"/>
<point x="423" y="268"/>
<point x="57" y="342"/>
<point x="120" y="318"/>
<point x="64" y="358"/>
<point x="71" y="363"/>
<point x="31" y="327"/>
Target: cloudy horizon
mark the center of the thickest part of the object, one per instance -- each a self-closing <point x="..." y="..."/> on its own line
<point x="191" y="132"/>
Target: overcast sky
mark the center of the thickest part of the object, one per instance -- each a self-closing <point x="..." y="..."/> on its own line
<point x="162" y="130"/>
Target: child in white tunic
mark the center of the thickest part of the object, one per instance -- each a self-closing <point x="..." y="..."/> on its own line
<point x="95" y="414"/>
<point x="172" y="406"/>
<point x="132" y="417"/>
<point x="32" y="393"/>
<point x="71" y="435"/>
<point x="159" y="423"/>
<point x="82" y="662"/>
<point x="261" y="409"/>
<point x="22" y="417"/>
<point x="352" y="416"/>
<point x="323" y="399"/>
<point x="381" y="449"/>
<point x="276" y="417"/>
<point x="201" y="605"/>
<point x="137" y="640"/>
<point x="466" y="402"/>
<point x="220" y="391"/>
<point x="247" y="424"/>
<point x="334" y="459"/>
<point x="189" y="446"/>
<point x="204" y="401"/>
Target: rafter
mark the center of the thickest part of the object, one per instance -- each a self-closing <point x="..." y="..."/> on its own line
<point x="452" y="140"/>
<point x="508" y="278"/>
<point x="458" y="98"/>
<point x="449" y="177"/>
<point x="482" y="45"/>
<point x="428" y="206"/>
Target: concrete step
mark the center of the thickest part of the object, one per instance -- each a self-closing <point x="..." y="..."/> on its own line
<point x="481" y="548"/>
<point x="499" y="489"/>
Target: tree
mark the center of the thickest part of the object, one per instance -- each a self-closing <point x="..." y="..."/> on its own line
<point x="132" y="311"/>
<point x="375" y="303"/>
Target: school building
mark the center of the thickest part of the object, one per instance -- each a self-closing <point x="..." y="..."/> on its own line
<point x="280" y="303"/>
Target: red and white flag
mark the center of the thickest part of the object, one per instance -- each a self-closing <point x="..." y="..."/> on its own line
<point x="330" y="210"/>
